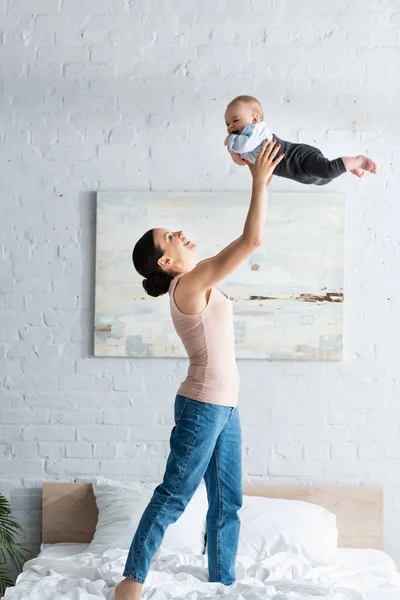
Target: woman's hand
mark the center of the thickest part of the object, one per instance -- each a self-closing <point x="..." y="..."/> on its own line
<point x="265" y="163"/>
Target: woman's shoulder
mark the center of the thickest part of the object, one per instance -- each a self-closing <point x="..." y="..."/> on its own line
<point x="186" y="281"/>
<point x="173" y="282"/>
<point x="188" y="298"/>
<point x="189" y="280"/>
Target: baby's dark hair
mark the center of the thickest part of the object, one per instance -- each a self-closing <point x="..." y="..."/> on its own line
<point x="145" y="255"/>
<point x="255" y="105"/>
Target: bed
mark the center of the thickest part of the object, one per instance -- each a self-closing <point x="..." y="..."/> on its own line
<point x="66" y="569"/>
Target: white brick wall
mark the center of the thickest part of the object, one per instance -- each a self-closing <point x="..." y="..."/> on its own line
<point x="123" y="94"/>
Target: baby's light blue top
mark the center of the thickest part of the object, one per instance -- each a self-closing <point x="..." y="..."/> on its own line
<point x="248" y="143"/>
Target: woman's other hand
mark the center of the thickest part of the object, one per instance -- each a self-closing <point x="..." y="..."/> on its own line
<point x="266" y="162"/>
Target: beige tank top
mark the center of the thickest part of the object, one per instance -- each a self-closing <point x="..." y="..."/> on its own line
<point x="209" y="340"/>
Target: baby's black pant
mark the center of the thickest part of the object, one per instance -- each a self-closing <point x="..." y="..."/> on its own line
<point x="307" y="164"/>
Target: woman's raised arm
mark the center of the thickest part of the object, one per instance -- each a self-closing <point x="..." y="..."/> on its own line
<point x="212" y="270"/>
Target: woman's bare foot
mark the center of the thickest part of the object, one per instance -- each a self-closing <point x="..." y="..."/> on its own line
<point x="359" y="164"/>
<point x="128" y="589"/>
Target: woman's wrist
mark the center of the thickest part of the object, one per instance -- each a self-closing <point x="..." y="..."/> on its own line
<point x="259" y="182"/>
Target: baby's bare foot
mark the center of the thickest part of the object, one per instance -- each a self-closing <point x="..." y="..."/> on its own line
<point x="359" y="164"/>
<point x="367" y="164"/>
<point x="128" y="589"/>
<point x="358" y="172"/>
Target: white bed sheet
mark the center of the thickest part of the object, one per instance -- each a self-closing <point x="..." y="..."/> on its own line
<point x="69" y="572"/>
<point x="60" y="550"/>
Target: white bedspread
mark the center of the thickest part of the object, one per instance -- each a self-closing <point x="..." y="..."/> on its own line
<point x="71" y="573"/>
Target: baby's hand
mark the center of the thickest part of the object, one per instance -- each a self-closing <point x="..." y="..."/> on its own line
<point x="237" y="159"/>
<point x="226" y="140"/>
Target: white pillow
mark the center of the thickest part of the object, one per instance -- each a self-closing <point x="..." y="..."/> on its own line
<point x="121" y="505"/>
<point x="270" y="525"/>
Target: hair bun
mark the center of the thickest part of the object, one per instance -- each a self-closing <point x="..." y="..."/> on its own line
<point x="157" y="284"/>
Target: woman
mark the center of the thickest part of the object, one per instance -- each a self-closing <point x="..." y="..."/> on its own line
<point x="206" y="439"/>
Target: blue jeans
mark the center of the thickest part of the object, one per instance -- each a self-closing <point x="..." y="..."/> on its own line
<point x="205" y="442"/>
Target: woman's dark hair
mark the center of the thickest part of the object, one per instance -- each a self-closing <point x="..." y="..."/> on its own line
<point x="145" y="256"/>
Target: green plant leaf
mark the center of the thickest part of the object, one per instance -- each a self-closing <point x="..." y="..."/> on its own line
<point x="10" y="549"/>
<point x="15" y="557"/>
<point x="5" y="581"/>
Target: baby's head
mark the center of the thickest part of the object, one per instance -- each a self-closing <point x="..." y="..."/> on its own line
<point x="242" y="111"/>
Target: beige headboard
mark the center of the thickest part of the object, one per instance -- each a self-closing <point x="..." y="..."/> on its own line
<point x="70" y="512"/>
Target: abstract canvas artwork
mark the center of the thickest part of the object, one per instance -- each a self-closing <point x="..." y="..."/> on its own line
<point x="287" y="296"/>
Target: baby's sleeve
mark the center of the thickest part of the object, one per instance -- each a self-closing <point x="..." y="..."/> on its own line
<point x="241" y="143"/>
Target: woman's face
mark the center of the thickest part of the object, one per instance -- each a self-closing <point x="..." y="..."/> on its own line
<point x="179" y="252"/>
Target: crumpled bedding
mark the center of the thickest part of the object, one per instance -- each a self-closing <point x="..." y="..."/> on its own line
<point x="69" y="572"/>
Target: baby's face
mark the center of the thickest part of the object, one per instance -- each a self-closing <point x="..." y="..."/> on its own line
<point x="238" y="116"/>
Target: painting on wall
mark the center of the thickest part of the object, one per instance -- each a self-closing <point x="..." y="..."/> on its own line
<point x="287" y="296"/>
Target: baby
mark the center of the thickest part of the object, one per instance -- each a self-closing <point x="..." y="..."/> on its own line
<point x="247" y="131"/>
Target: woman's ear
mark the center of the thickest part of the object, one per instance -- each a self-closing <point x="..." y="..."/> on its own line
<point x="164" y="261"/>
